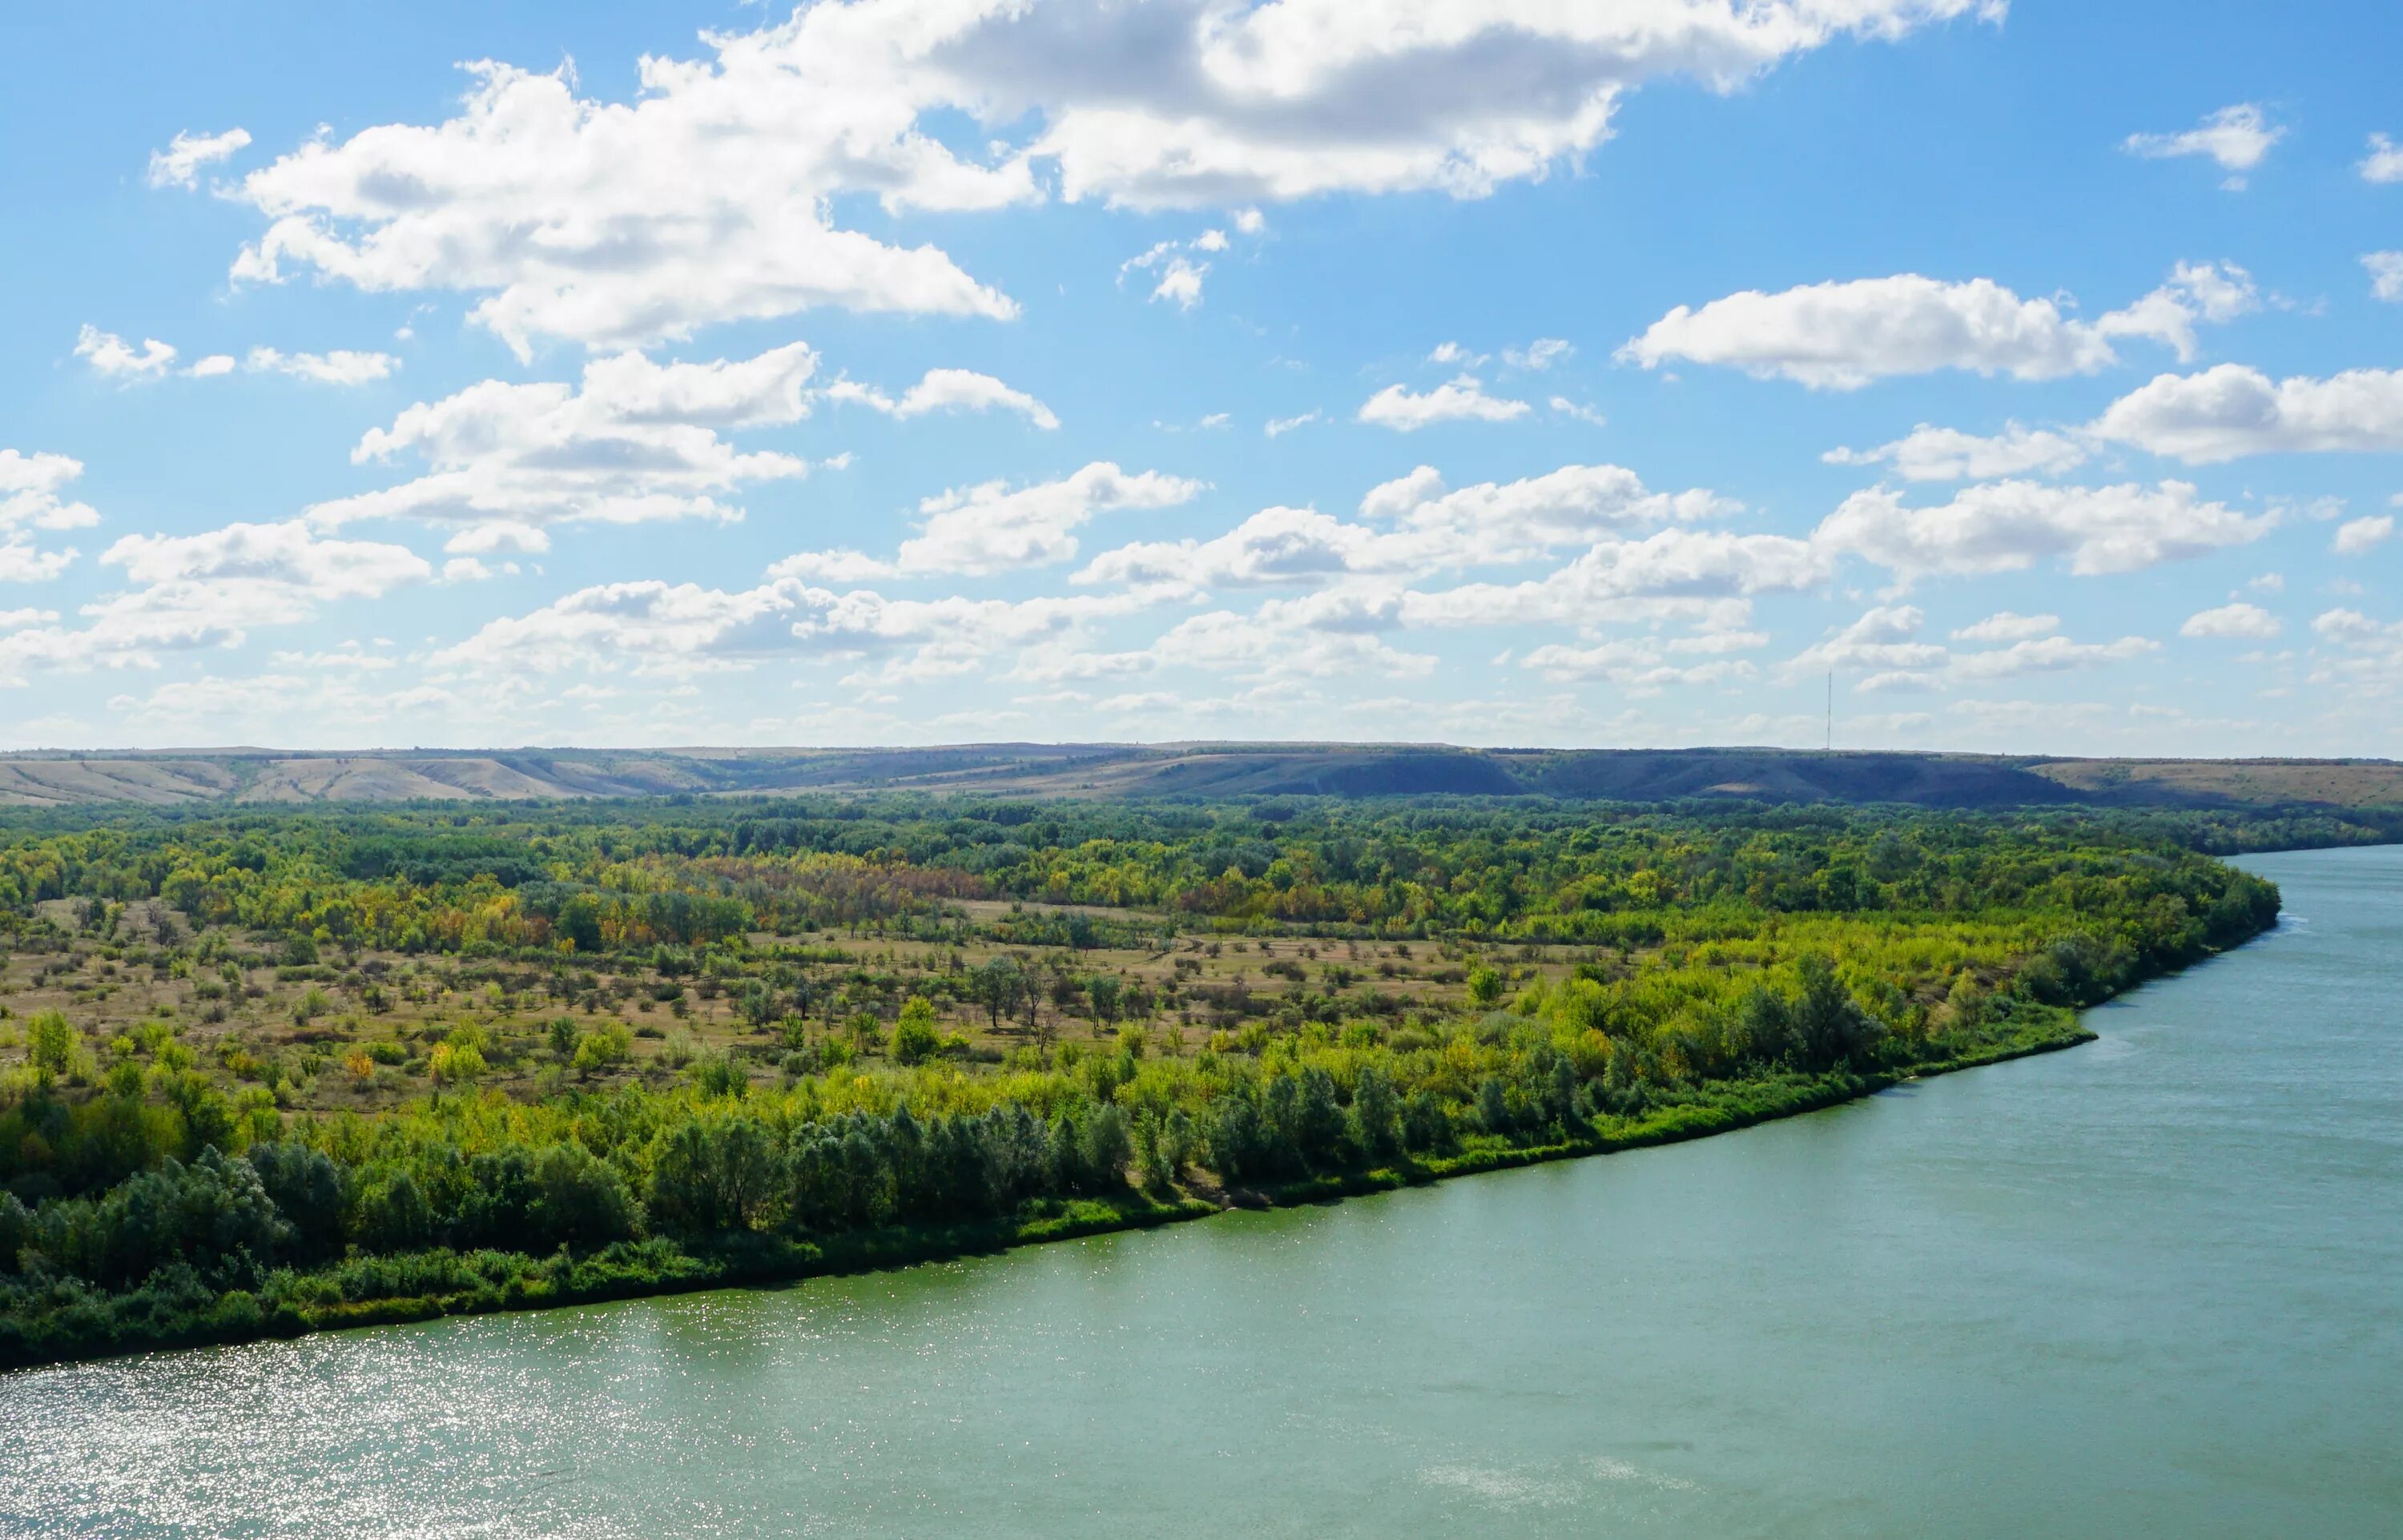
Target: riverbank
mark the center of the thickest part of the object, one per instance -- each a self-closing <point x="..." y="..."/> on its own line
<point x="78" y="1323"/>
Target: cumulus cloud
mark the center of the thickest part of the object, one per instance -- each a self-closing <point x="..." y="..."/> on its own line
<point x="1414" y="525"/>
<point x="711" y="197"/>
<point x="1841" y="336"/>
<point x="179" y="164"/>
<point x="2384" y="162"/>
<point x="1539" y="355"/>
<point x="2231" y="411"/>
<point x="2008" y="626"/>
<point x="32" y="498"/>
<point x="2360" y="536"/>
<point x="983" y="530"/>
<point x="947" y="390"/>
<point x="639" y="442"/>
<point x="1929" y="453"/>
<point x="2049" y="655"/>
<point x="2386" y="275"/>
<point x="2358" y="651"/>
<point x="1641" y="665"/>
<point x="2009" y="526"/>
<point x="30" y="486"/>
<point x="1300" y="98"/>
<point x="338" y="367"/>
<point x="1277" y="428"/>
<point x="1180" y="273"/>
<point x="1671" y="574"/>
<point x="210" y="589"/>
<point x="1883" y="640"/>
<point x="2237" y="138"/>
<point x="2239" y="622"/>
<point x="1461" y="401"/>
<point x="1885" y="646"/>
<point x="113" y="356"/>
<point x="992" y="528"/>
<point x="652" y="627"/>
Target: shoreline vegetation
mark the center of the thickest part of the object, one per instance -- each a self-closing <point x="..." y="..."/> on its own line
<point x="886" y="1071"/>
<point x="487" y="1283"/>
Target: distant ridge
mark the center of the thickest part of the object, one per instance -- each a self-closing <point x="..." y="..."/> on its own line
<point x="1201" y="770"/>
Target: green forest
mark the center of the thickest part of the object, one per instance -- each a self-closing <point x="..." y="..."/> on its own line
<point x="263" y="1072"/>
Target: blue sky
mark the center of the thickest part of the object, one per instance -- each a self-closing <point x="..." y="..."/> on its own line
<point x="1537" y="373"/>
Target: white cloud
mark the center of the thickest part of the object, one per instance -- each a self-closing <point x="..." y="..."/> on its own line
<point x="2359" y="537"/>
<point x="338" y="367"/>
<point x="2049" y="655"/>
<point x="207" y="591"/>
<point x="30" y="489"/>
<point x="2343" y="625"/>
<point x="1274" y="546"/>
<point x="2362" y="651"/>
<point x="1180" y="283"/>
<point x="286" y="556"/>
<point x="1586" y="414"/>
<point x="2386" y="275"/>
<point x="990" y="528"/>
<point x="706" y="200"/>
<point x="1412" y="526"/>
<point x="2009" y="526"/>
<point x="1277" y="428"/>
<point x="983" y="530"/>
<point x="113" y="357"/>
<point x="1885" y="645"/>
<point x="31" y="498"/>
<point x="713" y="196"/>
<point x="1841" y="336"/>
<point x="1883" y="640"/>
<point x="1180" y="276"/>
<point x="1539" y="355"/>
<point x="947" y="390"/>
<point x="1461" y="400"/>
<point x="2236" y="137"/>
<point x="1639" y="665"/>
<point x="2231" y="411"/>
<point x="2232" y="622"/>
<point x="349" y="658"/>
<point x="1449" y="354"/>
<point x="2008" y="626"/>
<point x="501" y="534"/>
<point x="658" y="627"/>
<point x="1672" y="574"/>
<point x="1305" y="97"/>
<point x="1929" y="453"/>
<point x="2384" y="162"/>
<point x="640" y="441"/>
<point x="179" y="164"/>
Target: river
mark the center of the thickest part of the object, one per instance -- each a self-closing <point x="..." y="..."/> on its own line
<point x="2151" y="1286"/>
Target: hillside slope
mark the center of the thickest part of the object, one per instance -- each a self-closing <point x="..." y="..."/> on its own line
<point x="1205" y="771"/>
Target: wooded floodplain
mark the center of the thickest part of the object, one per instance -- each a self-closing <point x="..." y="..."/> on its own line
<point x="262" y="1073"/>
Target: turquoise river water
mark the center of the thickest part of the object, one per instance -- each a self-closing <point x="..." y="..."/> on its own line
<point x="2151" y="1286"/>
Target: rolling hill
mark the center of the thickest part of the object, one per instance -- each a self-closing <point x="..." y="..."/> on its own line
<point x="1192" y="771"/>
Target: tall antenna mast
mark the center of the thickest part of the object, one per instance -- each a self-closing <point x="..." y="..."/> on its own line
<point x="1831" y="710"/>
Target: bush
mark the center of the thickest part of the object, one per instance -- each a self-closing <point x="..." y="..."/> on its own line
<point x="915" y="1037"/>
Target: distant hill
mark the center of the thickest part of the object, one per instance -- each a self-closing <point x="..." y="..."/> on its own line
<point x="1196" y="771"/>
